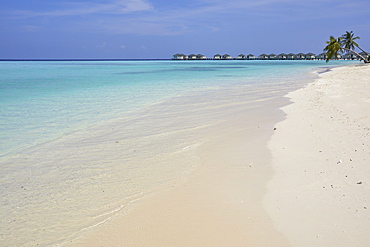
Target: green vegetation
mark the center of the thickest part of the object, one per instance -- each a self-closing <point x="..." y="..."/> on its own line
<point x="345" y="43"/>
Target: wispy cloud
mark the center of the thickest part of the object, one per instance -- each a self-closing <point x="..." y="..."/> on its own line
<point x="114" y="7"/>
<point x="158" y="18"/>
<point x="102" y="45"/>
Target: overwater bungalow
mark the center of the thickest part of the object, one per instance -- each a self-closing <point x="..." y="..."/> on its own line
<point x="192" y="57"/>
<point x="349" y="56"/>
<point x="310" y="56"/>
<point x="241" y="57"/>
<point x="282" y="56"/>
<point x="263" y="56"/>
<point x="300" y="56"/>
<point x="290" y="56"/>
<point x="201" y="57"/>
<point x="321" y="56"/>
<point x="364" y="54"/>
<point x="179" y="56"/>
<point x="352" y="56"/>
<point x="272" y="56"/>
<point x="251" y="57"/>
<point x="227" y="57"/>
<point x="197" y="57"/>
<point x="217" y="57"/>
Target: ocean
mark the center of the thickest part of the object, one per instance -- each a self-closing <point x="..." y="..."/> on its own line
<point x="83" y="141"/>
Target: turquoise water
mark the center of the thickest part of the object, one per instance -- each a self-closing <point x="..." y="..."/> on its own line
<point x="41" y="101"/>
<point x="60" y="121"/>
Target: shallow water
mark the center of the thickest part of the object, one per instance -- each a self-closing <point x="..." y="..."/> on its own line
<point x="83" y="140"/>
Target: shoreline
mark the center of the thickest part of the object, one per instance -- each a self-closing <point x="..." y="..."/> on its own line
<point x="220" y="202"/>
<point x="320" y="192"/>
<point x="249" y="181"/>
<point x="236" y="196"/>
<point x="79" y="183"/>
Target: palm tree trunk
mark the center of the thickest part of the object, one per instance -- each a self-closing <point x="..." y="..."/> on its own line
<point x="362" y="50"/>
<point x="365" y="60"/>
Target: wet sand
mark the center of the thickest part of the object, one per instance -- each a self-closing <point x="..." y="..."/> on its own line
<point x="219" y="204"/>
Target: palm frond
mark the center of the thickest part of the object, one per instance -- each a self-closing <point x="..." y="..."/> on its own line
<point x="333" y="48"/>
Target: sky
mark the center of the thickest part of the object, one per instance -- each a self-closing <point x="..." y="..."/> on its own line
<point x="156" y="29"/>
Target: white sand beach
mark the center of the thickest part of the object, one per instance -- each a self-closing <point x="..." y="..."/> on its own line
<point x="320" y="191"/>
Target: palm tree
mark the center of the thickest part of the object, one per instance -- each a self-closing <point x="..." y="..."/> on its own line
<point x="349" y="41"/>
<point x="335" y="46"/>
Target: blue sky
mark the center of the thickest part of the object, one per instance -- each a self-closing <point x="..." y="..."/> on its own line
<point x="126" y="29"/>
